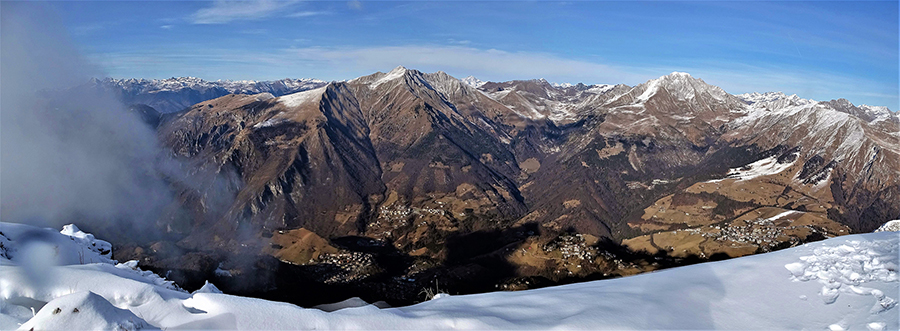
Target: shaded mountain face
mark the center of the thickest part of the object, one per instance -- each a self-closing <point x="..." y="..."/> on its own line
<point x="410" y="175"/>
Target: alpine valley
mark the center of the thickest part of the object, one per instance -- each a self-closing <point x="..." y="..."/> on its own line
<point x="390" y="184"/>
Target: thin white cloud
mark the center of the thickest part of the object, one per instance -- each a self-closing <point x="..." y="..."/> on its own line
<point x="459" y="42"/>
<point x="307" y="14"/>
<point x="227" y="11"/>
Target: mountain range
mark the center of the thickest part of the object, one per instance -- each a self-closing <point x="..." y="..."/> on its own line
<point x="175" y="94"/>
<point x="395" y="180"/>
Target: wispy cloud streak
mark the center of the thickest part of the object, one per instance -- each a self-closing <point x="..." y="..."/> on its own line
<point x="227" y="11"/>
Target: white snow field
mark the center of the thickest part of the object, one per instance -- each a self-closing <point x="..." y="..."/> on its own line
<point x="843" y="283"/>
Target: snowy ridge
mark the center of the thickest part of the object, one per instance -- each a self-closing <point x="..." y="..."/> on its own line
<point x="778" y="101"/>
<point x="773" y="100"/>
<point x="878" y="113"/>
<point x="396" y="73"/>
<point x="649" y="90"/>
<point x="538" y="99"/>
<point x="601" y="88"/>
<point x="837" y="135"/>
<point x="19" y="243"/>
<point x="765" y="291"/>
<point x="175" y="94"/>
<point x="299" y="98"/>
<point x="134" y="86"/>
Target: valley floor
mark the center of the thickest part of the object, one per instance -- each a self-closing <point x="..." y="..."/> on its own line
<point x="844" y="283"/>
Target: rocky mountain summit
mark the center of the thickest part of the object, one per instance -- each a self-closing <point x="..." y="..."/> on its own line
<point x="393" y="182"/>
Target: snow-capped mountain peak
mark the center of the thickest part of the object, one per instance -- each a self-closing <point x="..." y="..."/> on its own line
<point x="473" y="82"/>
<point x="679" y="85"/>
<point x="679" y="74"/>
<point x="394" y="74"/>
<point x="684" y="87"/>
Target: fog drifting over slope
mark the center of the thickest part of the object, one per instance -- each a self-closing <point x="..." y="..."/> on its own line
<point x="68" y="157"/>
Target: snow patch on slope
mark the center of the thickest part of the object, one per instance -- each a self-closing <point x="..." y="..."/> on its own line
<point x="649" y="91"/>
<point x="299" y="98"/>
<point x="394" y="74"/>
<point x="270" y="122"/>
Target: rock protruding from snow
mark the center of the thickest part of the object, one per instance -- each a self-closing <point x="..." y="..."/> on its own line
<point x="354" y="302"/>
<point x="889" y="226"/>
<point x="84" y="311"/>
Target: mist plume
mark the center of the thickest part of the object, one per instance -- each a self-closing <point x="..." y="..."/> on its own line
<point x="66" y="156"/>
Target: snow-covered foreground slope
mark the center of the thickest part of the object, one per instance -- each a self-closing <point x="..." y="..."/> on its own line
<point x="849" y="282"/>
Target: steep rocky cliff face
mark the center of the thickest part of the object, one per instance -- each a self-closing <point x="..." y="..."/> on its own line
<point x="408" y="175"/>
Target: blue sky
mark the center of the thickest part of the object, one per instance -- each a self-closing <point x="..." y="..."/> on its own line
<point x="818" y="50"/>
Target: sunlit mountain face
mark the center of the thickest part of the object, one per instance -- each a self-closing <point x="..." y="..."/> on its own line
<point x="384" y="183"/>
